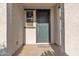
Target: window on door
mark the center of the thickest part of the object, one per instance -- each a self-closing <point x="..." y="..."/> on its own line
<point x="29" y="18"/>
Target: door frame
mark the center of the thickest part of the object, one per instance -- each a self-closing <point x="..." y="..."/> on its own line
<point x="51" y="29"/>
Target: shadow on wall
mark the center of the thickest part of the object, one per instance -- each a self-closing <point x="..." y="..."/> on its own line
<point x="19" y="50"/>
<point x="24" y="35"/>
<point x="56" y="52"/>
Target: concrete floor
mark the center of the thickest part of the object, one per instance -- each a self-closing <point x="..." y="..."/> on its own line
<point x="39" y="50"/>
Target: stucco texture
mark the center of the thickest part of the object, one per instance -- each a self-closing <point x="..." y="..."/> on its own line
<point x="15" y="27"/>
<point x="3" y="28"/>
<point x="71" y="28"/>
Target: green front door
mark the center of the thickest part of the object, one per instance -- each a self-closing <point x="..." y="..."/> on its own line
<point x="42" y="30"/>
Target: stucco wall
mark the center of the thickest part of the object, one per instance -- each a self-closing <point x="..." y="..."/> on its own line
<point x="15" y="27"/>
<point x="57" y="38"/>
<point x="52" y="25"/>
<point x="3" y="28"/>
<point x="71" y="28"/>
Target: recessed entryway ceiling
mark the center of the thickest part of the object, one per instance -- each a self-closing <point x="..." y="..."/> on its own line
<point x="38" y="5"/>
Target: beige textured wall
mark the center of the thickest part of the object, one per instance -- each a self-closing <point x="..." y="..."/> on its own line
<point x="57" y="26"/>
<point x="3" y="23"/>
<point x="15" y="27"/>
<point x="3" y="27"/>
<point x="71" y="29"/>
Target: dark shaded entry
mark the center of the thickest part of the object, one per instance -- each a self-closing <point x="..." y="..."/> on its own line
<point x="42" y="31"/>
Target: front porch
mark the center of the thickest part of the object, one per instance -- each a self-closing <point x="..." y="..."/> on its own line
<point x="39" y="50"/>
<point x="18" y="33"/>
<point x="28" y="36"/>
